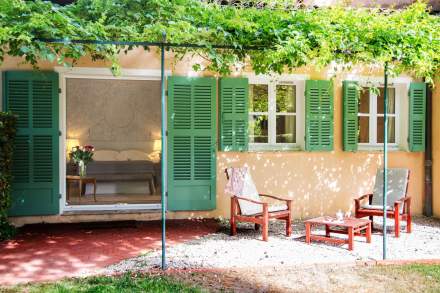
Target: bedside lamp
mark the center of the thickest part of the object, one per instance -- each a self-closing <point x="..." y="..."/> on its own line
<point x="156" y="153"/>
<point x="157" y="145"/>
<point x="70" y="143"/>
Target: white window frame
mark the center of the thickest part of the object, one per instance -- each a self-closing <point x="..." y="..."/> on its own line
<point x="272" y="81"/>
<point x="373" y="115"/>
<point x="401" y="85"/>
<point x="95" y="73"/>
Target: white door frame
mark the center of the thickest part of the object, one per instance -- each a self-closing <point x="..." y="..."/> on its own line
<point x="95" y="73"/>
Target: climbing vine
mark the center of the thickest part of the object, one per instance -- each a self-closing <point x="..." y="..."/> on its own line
<point x="408" y="39"/>
<point x="7" y="134"/>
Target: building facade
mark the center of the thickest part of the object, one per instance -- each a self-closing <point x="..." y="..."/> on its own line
<point x="296" y="132"/>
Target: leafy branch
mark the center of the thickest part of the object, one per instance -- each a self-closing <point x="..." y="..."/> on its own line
<point x="408" y="39"/>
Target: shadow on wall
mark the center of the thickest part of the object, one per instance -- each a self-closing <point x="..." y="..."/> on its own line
<point x="318" y="183"/>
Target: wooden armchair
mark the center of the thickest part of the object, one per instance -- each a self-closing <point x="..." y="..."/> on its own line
<point x="260" y="218"/>
<point x="398" y="202"/>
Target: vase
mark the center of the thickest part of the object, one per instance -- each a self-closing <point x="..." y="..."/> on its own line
<point x="82" y="169"/>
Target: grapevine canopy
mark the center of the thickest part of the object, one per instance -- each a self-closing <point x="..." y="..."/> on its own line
<point x="408" y="39"/>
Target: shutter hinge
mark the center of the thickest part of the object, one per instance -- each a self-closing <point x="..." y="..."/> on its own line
<point x="59" y="195"/>
<point x="166" y="92"/>
<point x="166" y="132"/>
<point x="59" y="90"/>
<point x="60" y="133"/>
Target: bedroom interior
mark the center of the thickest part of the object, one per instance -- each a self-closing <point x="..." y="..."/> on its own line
<point x="121" y="120"/>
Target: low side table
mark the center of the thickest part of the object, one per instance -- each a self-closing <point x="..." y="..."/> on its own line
<point x="350" y="226"/>
<point x="82" y="181"/>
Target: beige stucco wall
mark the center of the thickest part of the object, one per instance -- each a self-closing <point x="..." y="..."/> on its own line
<point x="318" y="183"/>
<point x="436" y="151"/>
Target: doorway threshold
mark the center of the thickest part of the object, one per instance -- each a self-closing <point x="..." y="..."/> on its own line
<point x="111" y="212"/>
<point x="111" y="209"/>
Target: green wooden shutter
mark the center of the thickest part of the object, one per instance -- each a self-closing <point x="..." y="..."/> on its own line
<point x="234" y="114"/>
<point x="191" y="143"/>
<point x="417" y="110"/>
<point x="350" y="115"/>
<point x="34" y="97"/>
<point x="319" y="115"/>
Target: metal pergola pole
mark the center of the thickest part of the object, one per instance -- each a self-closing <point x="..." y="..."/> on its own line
<point x="385" y="160"/>
<point x="163" y="148"/>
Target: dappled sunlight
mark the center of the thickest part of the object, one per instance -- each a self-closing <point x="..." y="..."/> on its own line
<point x="50" y="252"/>
<point x="246" y="249"/>
<point x="318" y="183"/>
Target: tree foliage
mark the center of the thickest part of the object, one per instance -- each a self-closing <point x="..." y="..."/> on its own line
<point x="7" y="135"/>
<point x="408" y="39"/>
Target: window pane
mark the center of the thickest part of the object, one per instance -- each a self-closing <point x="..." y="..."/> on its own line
<point x="258" y="130"/>
<point x="286" y="98"/>
<point x="286" y="129"/>
<point x="391" y="100"/>
<point x="391" y="130"/>
<point x="364" y="101"/>
<point x="364" y="129"/>
<point x="258" y="98"/>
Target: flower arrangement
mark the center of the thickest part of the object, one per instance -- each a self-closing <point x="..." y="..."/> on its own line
<point x="82" y="155"/>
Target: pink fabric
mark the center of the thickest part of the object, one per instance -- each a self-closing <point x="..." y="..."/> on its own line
<point x="236" y="180"/>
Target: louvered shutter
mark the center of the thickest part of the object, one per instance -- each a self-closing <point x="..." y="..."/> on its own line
<point x="33" y="96"/>
<point x="234" y="114"/>
<point x="350" y="115"/>
<point x="417" y="110"/>
<point x="319" y="115"/>
<point x="191" y="143"/>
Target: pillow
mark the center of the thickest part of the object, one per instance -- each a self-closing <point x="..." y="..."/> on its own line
<point x="105" y="155"/>
<point x="134" y="155"/>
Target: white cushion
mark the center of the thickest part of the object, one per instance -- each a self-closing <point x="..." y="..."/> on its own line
<point x="375" y="207"/>
<point x="277" y="208"/>
<point x="105" y="155"/>
<point x="133" y="155"/>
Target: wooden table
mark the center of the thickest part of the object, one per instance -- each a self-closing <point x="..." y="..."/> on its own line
<point x="350" y="226"/>
<point x="82" y="181"/>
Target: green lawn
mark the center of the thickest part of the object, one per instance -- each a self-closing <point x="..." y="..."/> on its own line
<point x="126" y="283"/>
<point x="406" y="278"/>
<point x="429" y="271"/>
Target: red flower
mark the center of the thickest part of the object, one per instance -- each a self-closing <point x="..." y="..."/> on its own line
<point x="88" y="147"/>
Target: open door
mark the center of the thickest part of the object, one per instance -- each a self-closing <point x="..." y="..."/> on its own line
<point x="191" y="143"/>
<point x="33" y="96"/>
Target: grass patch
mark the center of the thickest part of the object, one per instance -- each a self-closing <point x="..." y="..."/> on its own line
<point x="410" y="278"/>
<point x="430" y="271"/>
<point x="125" y="283"/>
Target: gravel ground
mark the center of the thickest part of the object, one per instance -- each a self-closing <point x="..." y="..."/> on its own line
<point x="246" y="250"/>
<point x="314" y="278"/>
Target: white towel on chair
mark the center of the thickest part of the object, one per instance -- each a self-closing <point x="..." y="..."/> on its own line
<point x="241" y="184"/>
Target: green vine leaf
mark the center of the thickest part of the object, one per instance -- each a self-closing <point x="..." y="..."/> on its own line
<point x="409" y="39"/>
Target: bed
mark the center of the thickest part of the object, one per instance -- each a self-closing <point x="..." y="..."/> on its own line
<point x="123" y="166"/>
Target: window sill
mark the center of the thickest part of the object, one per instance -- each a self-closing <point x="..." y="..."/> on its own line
<point x="378" y="148"/>
<point x="273" y="148"/>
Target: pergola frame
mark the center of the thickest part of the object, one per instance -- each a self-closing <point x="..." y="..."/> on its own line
<point x="162" y="45"/>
